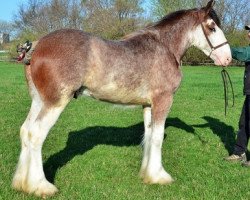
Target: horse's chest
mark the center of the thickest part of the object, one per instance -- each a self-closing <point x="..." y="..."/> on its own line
<point x="168" y="81"/>
<point x="176" y="82"/>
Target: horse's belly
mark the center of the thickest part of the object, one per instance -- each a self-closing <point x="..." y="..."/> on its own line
<point x="112" y="93"/>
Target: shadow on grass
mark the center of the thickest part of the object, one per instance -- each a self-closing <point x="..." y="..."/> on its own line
<point x="222" y="130"/>
<point x="84" y="140"/>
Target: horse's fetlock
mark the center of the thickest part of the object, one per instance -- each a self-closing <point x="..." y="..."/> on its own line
<point x="23" y="131"/>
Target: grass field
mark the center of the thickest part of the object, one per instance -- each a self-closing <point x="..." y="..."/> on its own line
<point x="94" y="151"/>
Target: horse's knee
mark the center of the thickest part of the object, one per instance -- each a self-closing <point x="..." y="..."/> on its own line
<point x="24" y="133"/>
<point x="35" y="136"/>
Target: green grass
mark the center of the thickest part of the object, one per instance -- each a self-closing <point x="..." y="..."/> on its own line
<point x="94" y="152"/>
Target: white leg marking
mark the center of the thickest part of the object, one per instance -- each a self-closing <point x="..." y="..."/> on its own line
<point x="146" y="139"/>
<point x="34" y="180"/>
<point x="22" y="169"/>
<point x="155" y="172"/>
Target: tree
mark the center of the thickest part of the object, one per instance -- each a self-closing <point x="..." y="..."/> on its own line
<point x="42" y="17"/>
<point x="6" y="27"/>
<point x="162" y="7"/>
<point x="237" y="14"/>
<point x="112" y="18"/>
<point x="109" y="18"/>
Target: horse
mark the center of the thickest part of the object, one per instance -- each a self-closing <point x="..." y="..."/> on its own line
<point x="143" y="68"/>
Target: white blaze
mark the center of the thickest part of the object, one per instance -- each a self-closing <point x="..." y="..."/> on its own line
<point x="222" y="55"/>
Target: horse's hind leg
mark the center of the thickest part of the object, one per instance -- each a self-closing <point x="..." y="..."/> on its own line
<point x="22" y="170"/>
<point x="34" y="180"/>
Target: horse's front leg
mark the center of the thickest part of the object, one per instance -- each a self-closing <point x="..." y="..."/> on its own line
<point x="154" y="172"/>
<point x="146" y="139"/>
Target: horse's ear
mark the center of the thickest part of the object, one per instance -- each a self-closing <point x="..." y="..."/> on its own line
<point x="209" y="6"/>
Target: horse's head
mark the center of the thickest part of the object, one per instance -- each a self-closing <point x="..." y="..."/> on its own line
<point x="209" y="37"/>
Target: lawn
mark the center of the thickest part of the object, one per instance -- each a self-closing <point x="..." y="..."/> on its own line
<point x="94" y="152"/>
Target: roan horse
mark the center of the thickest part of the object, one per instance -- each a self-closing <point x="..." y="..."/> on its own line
<point x="142" y="69"/>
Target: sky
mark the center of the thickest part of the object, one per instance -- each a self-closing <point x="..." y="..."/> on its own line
<point x="8" y="8"/>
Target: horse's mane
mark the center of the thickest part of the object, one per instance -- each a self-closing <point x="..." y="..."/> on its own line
<point x="176" y="16"/>
<point x="172" y="19"/>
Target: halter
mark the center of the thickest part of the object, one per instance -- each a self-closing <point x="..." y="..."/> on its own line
<point x="209" y="42"/>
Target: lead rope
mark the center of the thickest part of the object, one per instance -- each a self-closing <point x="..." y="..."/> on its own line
<point x="226" y="78"/>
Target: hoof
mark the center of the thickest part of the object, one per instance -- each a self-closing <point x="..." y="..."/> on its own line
<point x="17" y="184"/>
<point x="42" y="189"/>
<point x="45" y="189"/>
<point x="161" y="178"/>
<point x="142" y="173"/>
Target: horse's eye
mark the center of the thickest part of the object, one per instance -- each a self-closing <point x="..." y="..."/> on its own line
<point x="213" y="29"/>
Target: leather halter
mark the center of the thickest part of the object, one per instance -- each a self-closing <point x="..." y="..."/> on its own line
<point x="209" y="42"/>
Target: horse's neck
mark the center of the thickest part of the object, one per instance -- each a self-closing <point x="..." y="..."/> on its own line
<point x="177" y="40"/>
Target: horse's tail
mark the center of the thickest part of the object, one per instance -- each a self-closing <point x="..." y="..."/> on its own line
<point x="32" y="89"/>
<point x="28" y="76"/>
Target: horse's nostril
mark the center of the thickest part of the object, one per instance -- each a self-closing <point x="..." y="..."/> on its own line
<point x="229" y="60"/>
